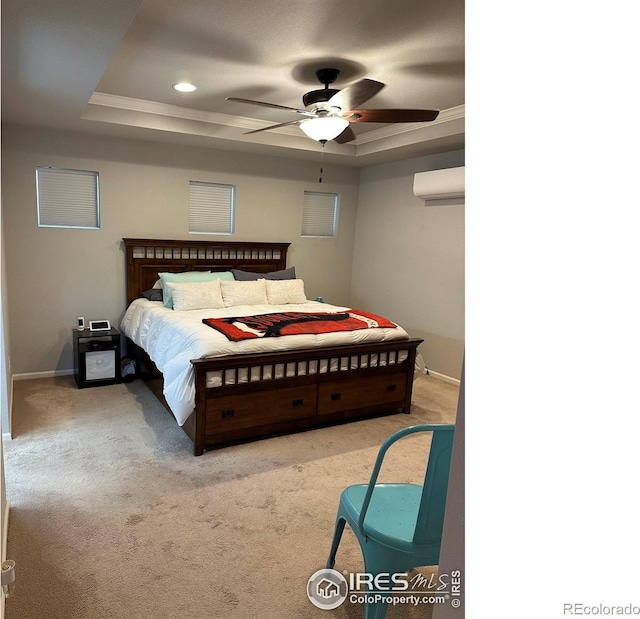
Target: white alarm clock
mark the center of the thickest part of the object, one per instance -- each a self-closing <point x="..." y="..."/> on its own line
<point x="99" y="325"/>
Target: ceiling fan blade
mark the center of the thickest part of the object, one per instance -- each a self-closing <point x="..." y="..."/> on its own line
<point x="391" y="116"/>
<point x="356" y="94"/>
<point x="291" y="122"/>
<point x="346" y="136"/>
<point x="264" y="104"/>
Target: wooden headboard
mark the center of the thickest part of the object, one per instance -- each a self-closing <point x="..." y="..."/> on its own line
<point x="148" y="257"/>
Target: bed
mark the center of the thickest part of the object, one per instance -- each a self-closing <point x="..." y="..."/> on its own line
<point x="239" y="391"/>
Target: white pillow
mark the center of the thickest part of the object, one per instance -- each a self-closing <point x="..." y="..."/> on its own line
<point x="284" y="291"/>
<point x="244" y="293"/>
<point x="196" y="295"/>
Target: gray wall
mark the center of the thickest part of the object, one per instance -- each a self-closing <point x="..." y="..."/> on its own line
<point x="54" y="275"/>
<point x="5" y="396"/>
<point x="452" y="551"/>
<point x="408" y="260"/>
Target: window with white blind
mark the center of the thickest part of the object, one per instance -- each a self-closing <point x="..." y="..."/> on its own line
<point x="320" y="214"/>
<point x="211" y="208"/>
<point x="67" y="198"/>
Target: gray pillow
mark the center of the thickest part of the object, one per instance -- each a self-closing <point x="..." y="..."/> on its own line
<point x="247" y="276"/>
<point x="153" y="294"/>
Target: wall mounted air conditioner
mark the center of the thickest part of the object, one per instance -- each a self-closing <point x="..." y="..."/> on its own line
<point x="440" y="186"/>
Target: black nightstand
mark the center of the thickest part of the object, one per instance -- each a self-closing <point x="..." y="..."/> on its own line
<point x="96" y="357"/>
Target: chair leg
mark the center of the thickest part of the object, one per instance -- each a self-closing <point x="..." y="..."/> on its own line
<point x="337" y="536"/>
<point x="377" y="561"/>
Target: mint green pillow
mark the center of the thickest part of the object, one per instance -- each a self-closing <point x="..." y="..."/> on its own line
<point x="188" y="276"/>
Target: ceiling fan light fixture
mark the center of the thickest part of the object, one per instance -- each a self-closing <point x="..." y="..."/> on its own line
<point x="184" y="87"/>
<point x="324" y="128"/>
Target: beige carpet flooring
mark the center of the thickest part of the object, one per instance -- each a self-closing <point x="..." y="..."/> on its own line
<point x="112" y="517"/>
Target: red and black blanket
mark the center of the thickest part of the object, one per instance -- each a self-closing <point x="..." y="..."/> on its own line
<point x="295" y="323"/>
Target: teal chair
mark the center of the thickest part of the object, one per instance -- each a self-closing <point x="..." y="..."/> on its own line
<point x="398" y="526"/>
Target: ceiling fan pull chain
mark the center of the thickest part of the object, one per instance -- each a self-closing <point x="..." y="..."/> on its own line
<point x="323" y="142"/>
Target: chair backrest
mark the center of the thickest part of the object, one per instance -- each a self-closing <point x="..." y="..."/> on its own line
<point x="434" y="492"/>
<point x="430" y="520"/>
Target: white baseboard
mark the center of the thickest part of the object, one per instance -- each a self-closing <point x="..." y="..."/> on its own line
<point x="48" y="374"/>
<point x="444" y="377"/>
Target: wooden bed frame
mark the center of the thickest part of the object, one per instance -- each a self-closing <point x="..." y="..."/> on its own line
<point x="287" y="391"/>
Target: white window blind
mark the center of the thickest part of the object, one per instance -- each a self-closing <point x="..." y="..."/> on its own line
<point x="320" y="214"/>
<point x="211" y="208"/>
<point x="67" y="198"/>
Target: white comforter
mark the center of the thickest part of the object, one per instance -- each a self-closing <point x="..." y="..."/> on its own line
<point x="172" y="338"/>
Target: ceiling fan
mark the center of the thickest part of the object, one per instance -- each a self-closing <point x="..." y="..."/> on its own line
<point x="329" y="111"/>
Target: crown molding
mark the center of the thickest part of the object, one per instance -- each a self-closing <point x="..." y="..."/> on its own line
<point x="389" y="131"/>
<point x="129" y="104"/>
<point x="419" y="137"/>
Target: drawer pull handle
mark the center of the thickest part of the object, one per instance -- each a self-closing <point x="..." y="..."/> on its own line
<point x="391" y="387"/>
<point x="336" y="396"/>
<point x="298" y="402"/>
<point x="228" y="413"/>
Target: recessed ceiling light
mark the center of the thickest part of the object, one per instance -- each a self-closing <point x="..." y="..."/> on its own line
<point x="185" y="87"/>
